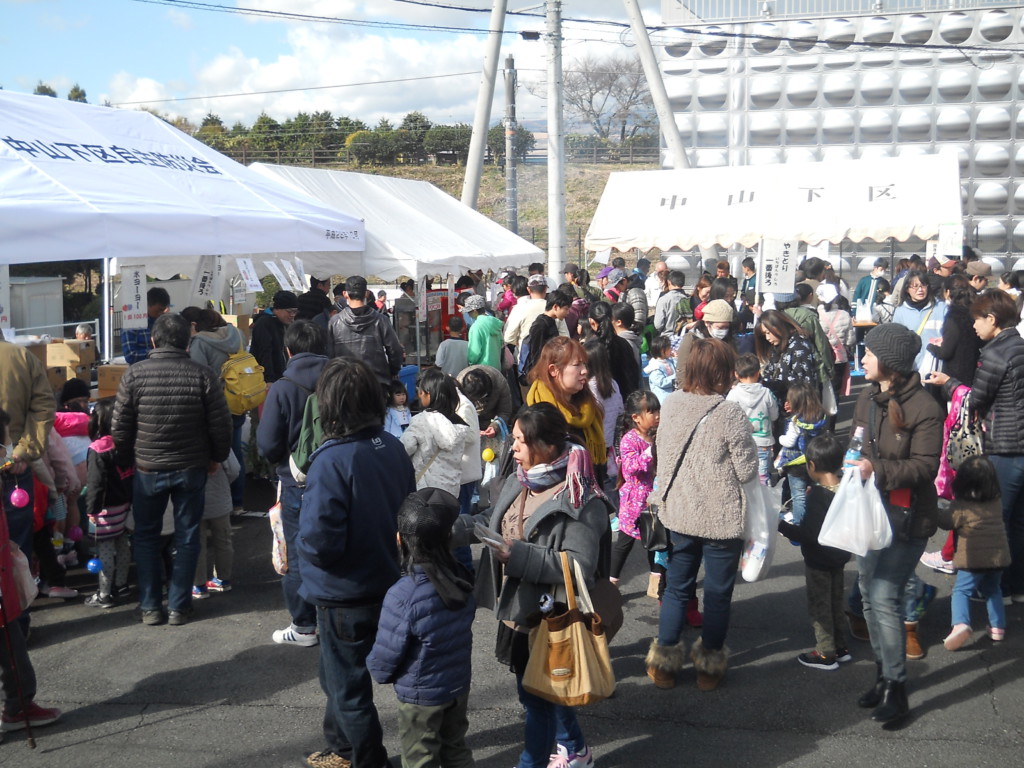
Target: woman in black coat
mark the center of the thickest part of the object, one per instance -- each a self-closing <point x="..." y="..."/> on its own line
<point x="625" y="369"/>
<point x="959" y="346"/>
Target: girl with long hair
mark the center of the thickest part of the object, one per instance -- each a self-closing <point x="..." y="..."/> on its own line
<point x="437" y="436"/>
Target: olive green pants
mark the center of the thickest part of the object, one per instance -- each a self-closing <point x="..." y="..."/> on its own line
<point x="435" y="737"/>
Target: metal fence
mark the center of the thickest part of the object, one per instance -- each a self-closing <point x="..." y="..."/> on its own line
<point x="719" y="11"/>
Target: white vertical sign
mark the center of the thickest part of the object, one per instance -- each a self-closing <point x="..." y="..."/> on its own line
<point x="777" y="272"/>
<point x="134" y="312"/>
<point x="278" y="275"/>
<point x="5" y="297"/>
<point x="931" y="250"/>
<point x="203" y="282"/>
<point x="422" y="306"/>
<point x="293" y="277"/>
<point x="951" y="240"/>
<point x="300" y="268"/>
<point x="218" y="280"/>
<point x="451" y="292"/>
<point x="248" y="272"/>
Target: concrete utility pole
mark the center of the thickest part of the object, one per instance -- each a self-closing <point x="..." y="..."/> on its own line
<point x="556" y="143"/>
<point x="478" y="143"/>
<point x="511" y="188"/>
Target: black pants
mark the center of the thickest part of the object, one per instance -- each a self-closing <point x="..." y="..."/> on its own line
<point x="623" y="546"/>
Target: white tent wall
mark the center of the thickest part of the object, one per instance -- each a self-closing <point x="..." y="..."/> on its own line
<point x="858" y="200"/>
<point x="412" y="227"/>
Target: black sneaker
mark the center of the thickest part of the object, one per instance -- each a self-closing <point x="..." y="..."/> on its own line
<point x="101" y="601"/>
<point x="180" y="618"/>
<point x="122" y="592"/>
<point x="843" y="655"/>
<point x="154" y="618"/>
<point x="815" y="660"/>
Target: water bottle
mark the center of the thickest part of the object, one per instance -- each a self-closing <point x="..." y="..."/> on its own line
<point x="853" y="453"/>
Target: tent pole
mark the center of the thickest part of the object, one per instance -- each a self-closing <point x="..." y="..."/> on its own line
<point x="478" y="141"/>
<point x="107" y="316"/>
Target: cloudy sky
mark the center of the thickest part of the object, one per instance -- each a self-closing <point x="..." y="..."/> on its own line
<point x="165" y="53"/>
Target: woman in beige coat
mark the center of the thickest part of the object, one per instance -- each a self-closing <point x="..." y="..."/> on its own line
<point x="705" y="453"/>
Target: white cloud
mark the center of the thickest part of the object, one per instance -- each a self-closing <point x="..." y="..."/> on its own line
<point x="323" y="54"/>
<point x="180" y="19"/>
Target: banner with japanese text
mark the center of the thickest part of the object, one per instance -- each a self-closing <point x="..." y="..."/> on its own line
<point x="248" y="272"/>
<point x="204" y="282"/>
<point x="134" y="312"/>
<point x="778" y="260"/>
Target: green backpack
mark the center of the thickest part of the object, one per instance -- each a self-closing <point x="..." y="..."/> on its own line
<point x="311" y="436"/>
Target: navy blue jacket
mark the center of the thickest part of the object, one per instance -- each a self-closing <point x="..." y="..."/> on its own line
<point x="278" y="430"/>
<point x="346" y="543"/>
<point x="422" y="647"/>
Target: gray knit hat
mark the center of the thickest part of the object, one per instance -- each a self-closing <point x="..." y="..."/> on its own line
<point x="895" y="346"/>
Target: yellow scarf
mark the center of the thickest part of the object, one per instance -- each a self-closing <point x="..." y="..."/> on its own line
<point x="589" y="422"/>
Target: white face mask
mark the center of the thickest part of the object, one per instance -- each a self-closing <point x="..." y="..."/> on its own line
<point x="719" y="333"/>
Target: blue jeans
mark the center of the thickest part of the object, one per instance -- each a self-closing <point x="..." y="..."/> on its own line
<point x="546" y="725"/>
<point x="464" y="554"/>
<point x="1010" y="472"/>
<point x="987" y="584"/>
<point x="186" y="489"/>
<point x="351" y="725"/>
<point x="912" y="594"/>
<point x="721" y="560"/>
<point x="883" y="582"/>
<point x="238" y="485"/>
<point x="20" y="520"/>
<point x="798" y="493"/>
<point x="764" y="463"/>
<point x="303" y="614"/>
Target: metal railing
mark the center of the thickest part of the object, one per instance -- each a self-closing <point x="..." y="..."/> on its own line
<point x="719" y="11"/>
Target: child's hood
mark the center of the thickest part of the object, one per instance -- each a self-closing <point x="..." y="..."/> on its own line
<point x="447" y="435"/>
<point x="71" y="423"/>
<point x="659" y="362"/>
<point x="751" y="395"/>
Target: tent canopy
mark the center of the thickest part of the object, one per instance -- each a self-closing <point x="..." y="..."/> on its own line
<point x="85" y="182"/>
<point x="870" y="199"/>
<point x="412" y="227"/>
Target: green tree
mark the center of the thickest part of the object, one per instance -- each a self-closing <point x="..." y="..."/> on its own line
<point x="384" y="125"/>
<point x="77" y="93"/>
<point x="42" y="89"/>
<point x="448" y="143"/>
<point x="212" y="132"/>
<point x="265" y="138"/>
<point x="362" y="146"/>
<point x="347" y="126"/>
<point x="523" y="142"/>
<point x="417" y="124"/>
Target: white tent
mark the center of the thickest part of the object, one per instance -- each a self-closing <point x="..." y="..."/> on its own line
<point x="87" y="182"/>
<point x="872" y="199"/>
<point x="412" y="227"/>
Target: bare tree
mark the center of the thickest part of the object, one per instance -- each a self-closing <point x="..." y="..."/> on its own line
<point x="610" y="94"/>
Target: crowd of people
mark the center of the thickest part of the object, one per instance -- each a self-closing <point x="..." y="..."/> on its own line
<point x="558" y="418"/>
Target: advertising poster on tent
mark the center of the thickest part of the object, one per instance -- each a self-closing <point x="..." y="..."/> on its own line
<point x="951" y="240"/>
<point x="248" y="272"/>
<point x="293" y="277"/>
<point x="134" y="312"/>
<point x="204" y="282"/>
<point x="777" y="272"/>
<point x="275" y="270"/>
<point x="5" y="297"/>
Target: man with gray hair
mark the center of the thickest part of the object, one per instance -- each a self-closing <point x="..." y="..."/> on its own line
<point x="171" y="421"/>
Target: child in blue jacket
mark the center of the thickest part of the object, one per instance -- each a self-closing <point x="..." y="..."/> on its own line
<point x="424" y="641"/>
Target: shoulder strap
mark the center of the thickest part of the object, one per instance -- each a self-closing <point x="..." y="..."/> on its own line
<point x="570" y="593"/>
<point x="872" y="412"/>
<point x="682" y="454"/>
<point x="924" y="322"/>
<point x="307" y="390"/>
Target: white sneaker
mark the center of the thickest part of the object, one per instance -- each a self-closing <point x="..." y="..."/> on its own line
<point x="65" y="593"/>
<point x="935" y="561"/>
<point x="562" y="758"/>
<point x="289" y="636"/>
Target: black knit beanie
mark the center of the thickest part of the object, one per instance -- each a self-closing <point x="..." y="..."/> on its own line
<point x="895" y="346"/>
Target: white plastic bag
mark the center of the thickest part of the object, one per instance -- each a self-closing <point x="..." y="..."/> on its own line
<point x="856" y="521"/>
<point x="758" y="530"/>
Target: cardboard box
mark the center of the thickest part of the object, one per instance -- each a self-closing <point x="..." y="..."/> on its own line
<point x="39" y="350"/>
<point x="103" y="393"/>
<point x="71" y="352"/>
<point x="109" y="377"/>
<point x="57" y="378"/>
<point x="83" y="372"/>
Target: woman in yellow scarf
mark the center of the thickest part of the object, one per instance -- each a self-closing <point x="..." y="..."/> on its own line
<point x="560" y="377"/>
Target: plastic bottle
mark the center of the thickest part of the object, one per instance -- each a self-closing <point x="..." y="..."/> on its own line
<point x="853" y="453"/>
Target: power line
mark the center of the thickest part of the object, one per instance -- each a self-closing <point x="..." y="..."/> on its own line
<point x="291" y="90"/>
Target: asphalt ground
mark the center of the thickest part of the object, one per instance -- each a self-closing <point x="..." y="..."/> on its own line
<point x="219" y="693"/>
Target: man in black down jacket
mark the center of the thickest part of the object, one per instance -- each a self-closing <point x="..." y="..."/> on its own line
<point x="267" y="344"/>
<point x="362" y="333"/>
<point x="172" y="421"/>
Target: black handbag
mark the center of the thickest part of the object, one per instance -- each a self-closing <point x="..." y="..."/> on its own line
<point x="653" y="535"/>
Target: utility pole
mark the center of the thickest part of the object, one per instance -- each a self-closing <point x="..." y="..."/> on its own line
<point x="556" y="143"/>
<point x="478" y="142"/>
<point x="511" y="189"/>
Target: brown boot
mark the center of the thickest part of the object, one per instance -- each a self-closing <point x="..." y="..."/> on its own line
<point x="653" y="584"/>
<point x="710" y="665"/>
<point x="663" y="662"/>
<point x="858" y="627"/>
<point x="914" y="649"/>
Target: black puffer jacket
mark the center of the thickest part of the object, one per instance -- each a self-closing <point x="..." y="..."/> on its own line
<point x="364" y="334"/>
<point x="998" y="392"/>
<point x="170" y="414"/>
<point x="960" y="345"/>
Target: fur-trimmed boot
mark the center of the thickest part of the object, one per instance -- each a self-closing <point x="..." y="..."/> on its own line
<point x="710" y="665"/>
<point x="663" y="662"/>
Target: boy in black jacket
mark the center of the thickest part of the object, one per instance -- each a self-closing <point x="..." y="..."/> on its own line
<point x="823" y="565"/>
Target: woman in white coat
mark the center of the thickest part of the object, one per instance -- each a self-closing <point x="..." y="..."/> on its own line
<point x="437" y="437"/>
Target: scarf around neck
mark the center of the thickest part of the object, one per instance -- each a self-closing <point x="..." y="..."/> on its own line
<point x="573" y="467"/>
